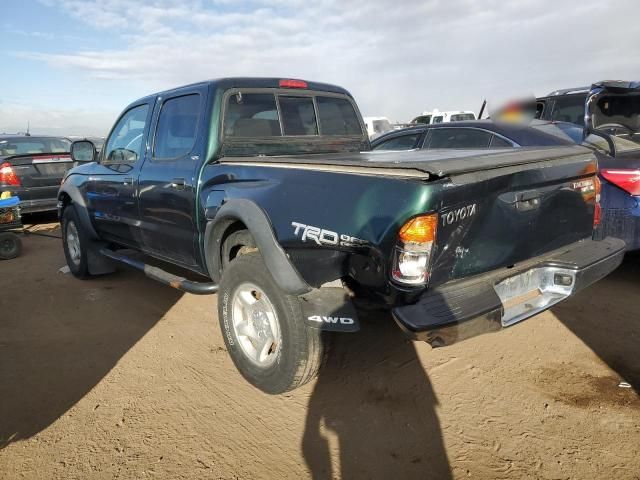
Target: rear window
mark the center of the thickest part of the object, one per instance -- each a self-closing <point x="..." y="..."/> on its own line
<point x="269" y="115"/>
<point x="459" y="117"/>
<point x="28" y="145"/>
<point x="337" y="116"/>
<point x="459" y="138"/>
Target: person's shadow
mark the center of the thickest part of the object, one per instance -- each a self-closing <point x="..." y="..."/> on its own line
<point x="373" y="407"/>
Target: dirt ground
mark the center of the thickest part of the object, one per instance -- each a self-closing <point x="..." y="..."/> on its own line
<point x="121" y="377"/>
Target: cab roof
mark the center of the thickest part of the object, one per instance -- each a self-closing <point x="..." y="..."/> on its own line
<point x="250" y="82"/>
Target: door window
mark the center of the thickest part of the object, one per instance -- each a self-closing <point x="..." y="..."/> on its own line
<point x="405" y="142"/>
<point x="125" y="142"/>
<point x="177" y="127"/>
<point x="459" y="138"/>
<point x="437" y="119"/>
<point x="569" y="109"/>
<point x="499" y="142"/>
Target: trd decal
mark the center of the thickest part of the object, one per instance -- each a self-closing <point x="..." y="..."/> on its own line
<point x="322" y="236"/>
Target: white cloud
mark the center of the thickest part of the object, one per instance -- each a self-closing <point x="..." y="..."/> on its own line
<point x="15" y="117"/>
<point x="397" y="58"/>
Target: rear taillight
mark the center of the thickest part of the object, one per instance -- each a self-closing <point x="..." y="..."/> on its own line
<point x="626" y="179"/>
<point x="597" y="211"/>
<point x="8" y="176"/>
<point x="412" y="255"/>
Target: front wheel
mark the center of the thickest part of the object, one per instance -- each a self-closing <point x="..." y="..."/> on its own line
<point x="264" y="329"/>
<point x="75" y="243"/>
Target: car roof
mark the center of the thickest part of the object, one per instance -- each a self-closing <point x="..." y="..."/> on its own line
<point x="7" y="136"/>
<point x="524" y="135"/>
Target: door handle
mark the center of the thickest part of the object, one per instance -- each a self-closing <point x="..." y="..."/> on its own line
<point x="127" y="181"/>
<point x="178" y="183"/>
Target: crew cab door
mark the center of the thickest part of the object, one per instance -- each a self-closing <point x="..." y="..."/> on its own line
<point x="111" y="189"/>
<point x="168" y="180"/>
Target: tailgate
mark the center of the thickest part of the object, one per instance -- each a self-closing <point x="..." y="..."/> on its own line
<point x="40" y="170"/>
<point x="504" y="214"/>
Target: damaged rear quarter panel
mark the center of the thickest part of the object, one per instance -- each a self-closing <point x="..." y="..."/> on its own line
<point x="362" y="212"/>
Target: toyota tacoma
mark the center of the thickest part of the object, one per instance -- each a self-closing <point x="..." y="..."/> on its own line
<point x="266" y="192"/>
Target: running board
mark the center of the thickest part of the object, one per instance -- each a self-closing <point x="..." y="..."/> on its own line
<point x="162" y="276"/>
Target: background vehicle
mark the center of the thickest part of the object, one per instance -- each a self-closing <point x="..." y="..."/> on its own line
<point x="477" y="134"/>
<point x="32" y="167"/>
<point x="437" y="116"/>
<point x="377" y="126"/>
<point x="262" y="185"/>
<point x="618" y="160"/>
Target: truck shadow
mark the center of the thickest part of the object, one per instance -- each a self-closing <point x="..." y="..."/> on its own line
<point x="373" y="402"/>
<point x="606" y="317"/>
<point x="60" y="336"/>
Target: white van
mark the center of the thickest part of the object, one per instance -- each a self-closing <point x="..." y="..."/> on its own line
<point x="437" y="116"/>
<point x="377" y="126"/>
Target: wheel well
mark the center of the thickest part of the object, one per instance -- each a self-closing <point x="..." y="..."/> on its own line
<point x="229" y="251"/>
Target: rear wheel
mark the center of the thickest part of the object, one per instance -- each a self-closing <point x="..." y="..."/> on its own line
<point x="75" y="243"/>
<point x="10" y="246"/>
<point x="264" y="329"/>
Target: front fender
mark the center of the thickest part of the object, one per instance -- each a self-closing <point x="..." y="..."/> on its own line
<point x="73" y="192"/>
<point x="258" y="224"/>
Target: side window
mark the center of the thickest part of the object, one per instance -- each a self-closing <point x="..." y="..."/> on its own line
<point x="569" y="109"/>
<point x="459" y="138"/>
<point x="252" y="115"/>
<point x="177" y="124"/>
<point x="337" y="117"/>
<point x="499" y="142"/>
<point x="539" y="109"/>
<point x="405" y="142"/>
<point x="437" y="119"/>
<point x="298" y="115"/>
<point x="125" y="142"/>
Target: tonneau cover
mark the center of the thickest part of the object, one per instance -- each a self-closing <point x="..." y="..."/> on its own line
<point x="430" y="162"/>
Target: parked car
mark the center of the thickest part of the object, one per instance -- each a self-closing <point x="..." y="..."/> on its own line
<point x="260" y="185"/>
<point x="32" y="167"/>
<point x="437" y="116"/>
<point x="377" y="125"/>
<point x="619" y="168"/>
<point x="476" y="134"/>
<point x="618" y="160"/>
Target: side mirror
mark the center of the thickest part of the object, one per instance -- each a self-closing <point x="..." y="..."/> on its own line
<point x="83" y="151"/>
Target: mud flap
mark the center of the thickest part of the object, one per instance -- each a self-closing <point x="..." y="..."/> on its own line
<point x="329" y="309"/>
<point x="97" y="263"/>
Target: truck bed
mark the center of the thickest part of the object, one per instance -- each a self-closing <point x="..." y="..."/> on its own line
<point x="419" y="163"/>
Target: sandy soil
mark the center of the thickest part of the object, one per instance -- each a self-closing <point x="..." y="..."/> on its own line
<point x="121" y="377"/>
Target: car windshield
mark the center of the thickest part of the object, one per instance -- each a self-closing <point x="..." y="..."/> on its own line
<point x="28" y="145"/>
<point x="459" y="117"/>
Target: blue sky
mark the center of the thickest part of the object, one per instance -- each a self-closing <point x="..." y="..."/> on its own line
<point x="71" y="65"/>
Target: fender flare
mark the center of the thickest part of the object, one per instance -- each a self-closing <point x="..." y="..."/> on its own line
<point x="258" y="224"/>
<point x="80" y="206"/>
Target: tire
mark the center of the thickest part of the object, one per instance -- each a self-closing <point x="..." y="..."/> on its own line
<point x="75" y="251"/>
<point x="10" y="246"/>
<point x="298" y="351"/>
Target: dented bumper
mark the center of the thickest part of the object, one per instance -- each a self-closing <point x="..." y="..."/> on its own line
<point x="489" y="302"/>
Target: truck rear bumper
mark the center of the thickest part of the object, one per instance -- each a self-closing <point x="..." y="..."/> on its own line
<point x="485" y="303"/>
